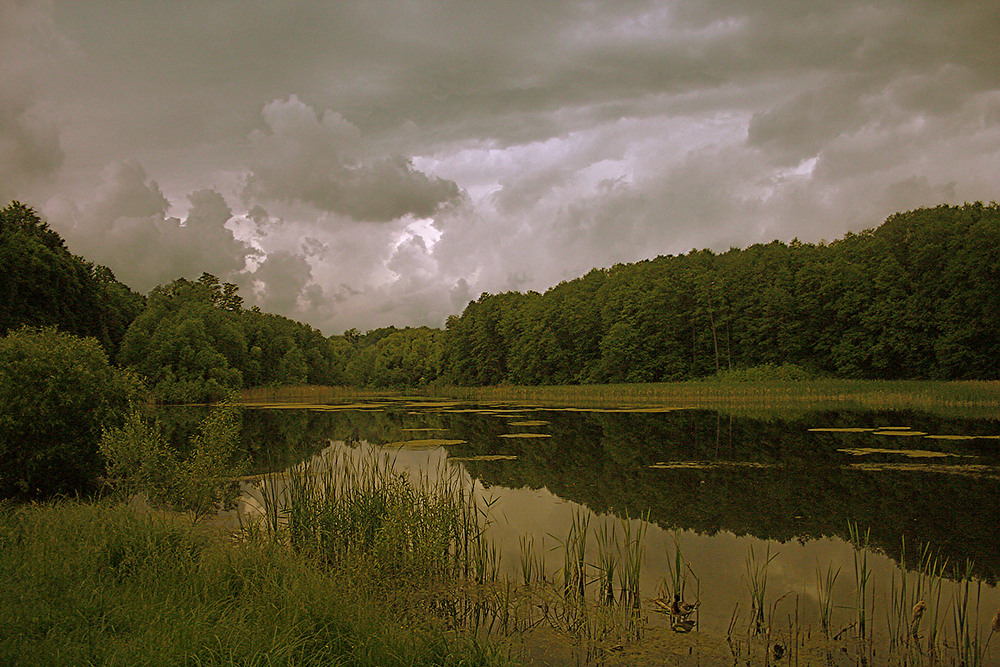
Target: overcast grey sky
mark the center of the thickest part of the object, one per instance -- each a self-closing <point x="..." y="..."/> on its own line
<point x="360" y="164"/>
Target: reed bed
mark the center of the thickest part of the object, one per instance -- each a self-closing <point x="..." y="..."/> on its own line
<point x="312" y="394"/>
<point x="970" y="398"/>
<point x="353" y="511"/>
<point x="932" y="615"/>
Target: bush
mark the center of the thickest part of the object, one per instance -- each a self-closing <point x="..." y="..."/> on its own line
<point x="57" y="392"/>
<point x="140" y="460"/>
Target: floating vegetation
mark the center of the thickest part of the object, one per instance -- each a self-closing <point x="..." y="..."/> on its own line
<point x="953" y="437"/>
<point x="900" y="433"/>
<point x="434" y="404"/>
<point x="841" y="430"/>
<point x="421" y="430"/>
<point x="625" y="410"/>
<point x="704" y="465"/>
<point x="484" y="457"/>
<point x="968" y="470"/>
<point x="909" y="453"/>
<point x="430" y="443"/>
<point x="526" y="435"/>
<point x="532" y="422"/>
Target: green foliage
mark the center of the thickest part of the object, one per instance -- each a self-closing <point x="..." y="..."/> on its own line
<point x="57" y="391"/>
<point x="42" y="284"/>
<point x="214" y="457"/>
<point x="189" y="349"/>
<point x="403" y="358"/>
<point x="195" y="344"/>
<point x="139" y="460"/>
<point x="916" y="298"/>
<point x="102" y="585"/>
<point x="765" y="373"/>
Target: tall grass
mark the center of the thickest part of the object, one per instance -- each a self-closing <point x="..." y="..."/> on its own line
<point x="756" y="581"/>
<point x="969" y="398"/>
<point x="825" y="581"/>
<point x="862" y="576"/>
<point x="311" y="394"/>
<point x="88" y="584"/>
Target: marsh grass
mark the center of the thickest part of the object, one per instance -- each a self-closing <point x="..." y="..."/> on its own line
<point x="352" y="511"/>
<point x="825" y="582"/>
<point x="99" y="583"/>
<point x="756" y="581"/>
<point x="761" y="398"/>
<point x="862" y="577"/>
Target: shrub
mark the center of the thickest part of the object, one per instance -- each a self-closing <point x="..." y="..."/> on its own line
<point x="57" y="392"/>
<point x="140" y="460"/>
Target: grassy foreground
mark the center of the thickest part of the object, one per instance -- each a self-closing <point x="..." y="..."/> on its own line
<point x="102" y="584"/>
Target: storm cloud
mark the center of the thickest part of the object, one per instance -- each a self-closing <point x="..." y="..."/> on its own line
<point x="362" y="164"/>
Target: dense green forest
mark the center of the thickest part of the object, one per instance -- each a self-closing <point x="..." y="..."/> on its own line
<point x="916" y="298"/>
<point x="43" y="284"/>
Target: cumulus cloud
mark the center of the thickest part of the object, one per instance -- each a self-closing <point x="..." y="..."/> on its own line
<point x="280" y="281"/>
<point x="126" y="227"/>
<point x="497" y="145"/>
<point x="318" y="160"/>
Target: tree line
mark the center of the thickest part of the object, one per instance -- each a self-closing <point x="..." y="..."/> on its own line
<point x="916" y="298"/>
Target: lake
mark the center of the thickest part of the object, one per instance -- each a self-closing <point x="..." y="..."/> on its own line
<point x="768" y="500"/>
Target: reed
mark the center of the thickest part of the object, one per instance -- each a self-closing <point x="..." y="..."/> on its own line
<point x="969" y="398"/>
<point x="631" y="552"/>
<point x="929" y="587"/>
<point x="532" y="561"/>
<point x="676" y="569"/>
<point x="607" y="561"/>
<point x="574" y="570"/>
<point x="965" y="616"/>
<point x="825" y="581"/>
<point x="756" y="580"/>
<point x="862" y="576"/>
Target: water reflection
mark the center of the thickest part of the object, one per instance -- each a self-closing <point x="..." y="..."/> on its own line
<point x="716" y="485"/>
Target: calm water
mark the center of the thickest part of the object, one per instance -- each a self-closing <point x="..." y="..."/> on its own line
<point x="714" y="484"/>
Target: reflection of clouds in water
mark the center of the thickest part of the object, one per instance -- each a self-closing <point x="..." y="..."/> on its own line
<point x="719" y="561"/>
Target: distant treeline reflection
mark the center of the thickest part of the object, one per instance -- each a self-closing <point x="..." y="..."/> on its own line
<point x="772" y="479"/>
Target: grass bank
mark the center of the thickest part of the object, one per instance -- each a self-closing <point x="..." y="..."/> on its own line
<point x="102" y="584"/>
<point x="967" y="399"/>
<point x="738" y="397"/>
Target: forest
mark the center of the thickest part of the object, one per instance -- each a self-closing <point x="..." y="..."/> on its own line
<point x="916" y="298"/>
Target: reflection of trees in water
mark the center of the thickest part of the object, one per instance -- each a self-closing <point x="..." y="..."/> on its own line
<point x="799" y="490"/>
<point x="602" y="460"/>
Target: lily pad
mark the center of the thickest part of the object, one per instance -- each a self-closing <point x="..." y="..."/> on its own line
<point x="841" y="430"/>
<point x="909" y="453"/>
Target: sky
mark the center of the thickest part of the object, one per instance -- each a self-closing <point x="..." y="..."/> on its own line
<point x="359" y="164"/>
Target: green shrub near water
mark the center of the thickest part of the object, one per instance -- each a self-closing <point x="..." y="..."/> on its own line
<point x="99" y="584"/>
<point x="140" y="460"/>
<point x="57" y="391"/>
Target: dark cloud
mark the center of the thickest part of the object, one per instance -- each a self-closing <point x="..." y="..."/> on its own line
<point x="281" y="279"/>
<point x="541" y="139"/>
<point x="126" y="227"/>
<point x="317" y="160"/>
